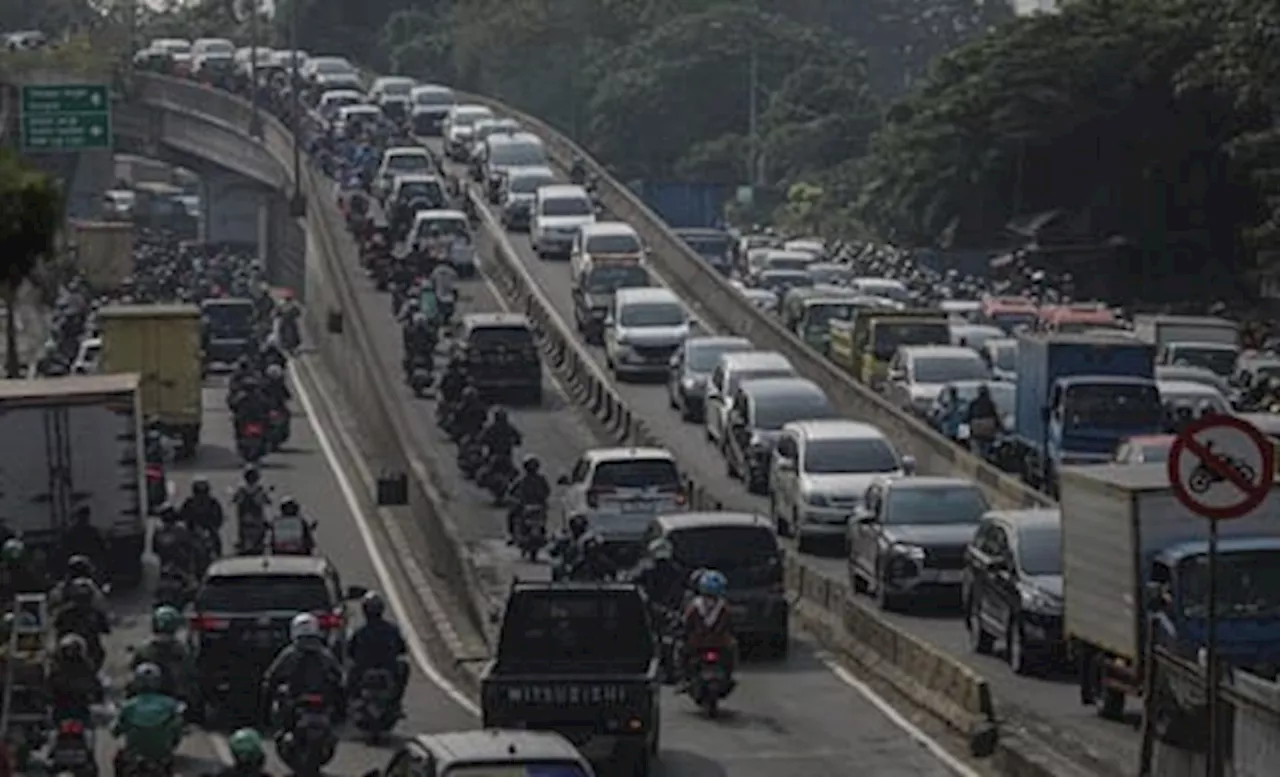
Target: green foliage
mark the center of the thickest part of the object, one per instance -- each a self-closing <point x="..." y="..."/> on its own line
<point x="30" y="212"/>
<point x="97" y="54"/>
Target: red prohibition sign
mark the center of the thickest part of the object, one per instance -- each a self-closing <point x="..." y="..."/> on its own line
<point x="1254" y="491"/>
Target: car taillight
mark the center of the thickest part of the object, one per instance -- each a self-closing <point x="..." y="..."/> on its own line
<point x="72" y="728"/>
<point x="206" y="623"/>
<point x="711" y="656"/>
<point x="154" y="472"/>
<point x="329" y="620"/>
<point x="252" y="430"/>
<point x="312" y="700"/>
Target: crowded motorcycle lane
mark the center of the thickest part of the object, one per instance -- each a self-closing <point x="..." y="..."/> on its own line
<point x="795" y="714"/>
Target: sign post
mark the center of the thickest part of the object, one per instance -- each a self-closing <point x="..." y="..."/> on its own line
<point x="1221" y="468"/>
<point x="65" y="117"/>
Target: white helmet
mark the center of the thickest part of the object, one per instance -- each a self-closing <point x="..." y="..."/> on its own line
<point x="304" y="625"/>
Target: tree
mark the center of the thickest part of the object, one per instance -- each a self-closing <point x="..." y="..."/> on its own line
<point x="30" y="213"/>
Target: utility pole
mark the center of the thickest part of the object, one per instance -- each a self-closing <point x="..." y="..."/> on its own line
<point x="753" y="117"/>
<point x="298" y="205"/>
<point x="255" y="118"/>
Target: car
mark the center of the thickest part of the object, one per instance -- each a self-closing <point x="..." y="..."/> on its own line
<point x="502" y="356"/>
<point x="333" y="100"/>
<point x="391" y="86"/>
<point x="519" y="189"/>
<point x="730" y="371"/>
<point x="212" y="67"/>
<point x="975" y="335"/>
<point x="423" y="188"/>
<point x="612" y="240"/>
<point x="402" y="160"/>
<point x="918" y="373"/>
<point x="714" y="246"/>
<point x="643" y="331"/>
<point x="819" y="473"/>
<point x="691" y="369"/>
<point x="1001" y="356"/>
<point x="558" y="212"/>
<point x="459" y="126"/>
<point x="429" y="106"/>
<point x="744" y="548"/>
<point x="315" y="69"/>
<point x="351" y="119"/>
<point x="483" y="130"/>
<point x="505" y="151"/>
<point x="1144" y="449"/>
<point x="1012" y="587"/>
<point x="619" y="491"/>
<point x="761" y="407"/>
<point x="514" y="751"/>
<point x="452" y="224"/>
<point x="242" y="613"/>
<point x="908" y="538"/>
<point x="1198" y="398"/>
<point x="765" y="300"/>
<point x="594" y="292"/>
<point x="780" y="280"/>
<point x="828" y="274"/>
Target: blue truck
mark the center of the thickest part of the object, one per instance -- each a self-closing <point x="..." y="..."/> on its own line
<point x="1078" y="396"/>
<point x="1135" y="574"/>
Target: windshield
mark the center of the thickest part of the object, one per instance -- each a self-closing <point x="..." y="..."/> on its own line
<point x="707" y="246"/>
<point x="772" y="413"/>
<point x="610" y="278"/>
<point x="408" y="162"/>
<point x="652" y="314"/>
<point x="889" y="336"/>
<point x="469" y="118"/>
<point x="229" y="317"/>
<point x="1040" y="550"/>
<point x="786" y="263"/>
<point x="567" y="206"/>
<point x="332" y="67"/>
<point x="449" y="227"/>
<point x="1196" y="399"/>
<point x="636" y="473"/>
<point x="781" y="282"/>
<point x="613" y="244"/>
<point x="1219" y="361"/>
<point x="1003" y="356"/>
<point x="517" y="769"/>
<point x="739" y="376"/>
<point x="836" y="276"/>
<point x="826" y="457"/>
<point x="887" y="290"/>
<point x="1248" y="585"/>
<point x="947" y="369"/>
<point x="217" y="47"/>
<point x="575" y="627"/>
<point x="1113" y="406"/>
<point x="916" y="506"/>
<point x="529" y="184"/>
<point x="704" y="358"/>
<point x="433" y="97"/>
<point x="430" y="191"/>
<point x="1011" y="320"/>
<point x="175" y="47"/>
<point x="516" y="154"/>
<point x="495" y="337"/>
<point x="397" y="88"/>
<point x="1156" y="454"/>
<point x="821" y="314"/>
<point x="723" y="547"/>
<point x="260" y="593"/>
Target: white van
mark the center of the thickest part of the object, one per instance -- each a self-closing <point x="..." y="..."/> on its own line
<point x="559" y="211"/>
<point x="644" y="330"/>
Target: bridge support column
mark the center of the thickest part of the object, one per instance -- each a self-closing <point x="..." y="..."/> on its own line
<point x="286" y="245"/>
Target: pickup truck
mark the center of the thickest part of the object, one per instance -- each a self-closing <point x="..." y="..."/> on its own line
<point x="579" y="660"/>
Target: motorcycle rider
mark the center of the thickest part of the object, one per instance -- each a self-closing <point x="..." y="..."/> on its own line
<point x="82" y="538"/>
<point x="564" y="548"/>
<point x="173" y="543"/>
<point x="242" y="375"/>
<point x="74" y="685"/>
<point x="202" y="512"/>
<point x="291" y="510"/>
<point x="454" y="381"/>
<point x="662" y="577"/>
<point x="420" y="339"/>
<point x="251" y="500"/>
<point x="708" y="623"/>
<point x="305" y="665"/>
<point x="499" y="439"/>
<point x="288" y="314"/>
<point x="270" y="354"/>
<point x="150" y="721"/>
<point x="529" y="490"/>
<point x="247" y="755"/>
<point x="444" y="281"/>
<point x="275" y="389"/>
<point x="165" y="650"/>
<point x="79" y="615"/>
<point x="377" y="644"/>
<point x="78" y="568"/>
<point x="578" y="171"/>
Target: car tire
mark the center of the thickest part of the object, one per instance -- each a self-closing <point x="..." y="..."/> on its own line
<point x="980" y="640"/>
<point x="1021" y="658"/>
<point x="885" y="601"/>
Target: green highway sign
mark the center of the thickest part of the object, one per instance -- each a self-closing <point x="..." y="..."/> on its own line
<point x="65" y="117"/>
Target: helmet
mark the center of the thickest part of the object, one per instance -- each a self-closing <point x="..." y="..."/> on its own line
<point x="531" y="464"/>
<point x="147" y="677"/>
<point x="712" y="583"/>
<point x="72" y="647"/>
<point x="695" y="578"/>
<point x="80" y="590"/>
<point x="166" y="621"/>
<point x="373" y="606"/>
<point x="274" y="372"/>
<point x="500" y="414"/>
<point x="578" y="524"/>
<point x="660" y="550"/>
<point x="591" y="540"/>
<point x="246" y="748"/>
<point x="252" y="475"/>
<point x="289" y="507"/>
<point x="470" y="393"/>
<point x="13" y="550"/>
<point x="168" y="514"/>
<point x="200" y="486"/>
<point x="304" y="625"/>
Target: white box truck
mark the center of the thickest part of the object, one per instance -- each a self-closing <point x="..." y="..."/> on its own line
<point x="1197" y="341"/>
<point x="1134" y="566"/>
<point x="69" y="443"/>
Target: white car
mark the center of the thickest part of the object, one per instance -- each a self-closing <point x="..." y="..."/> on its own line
<point x="620" y="490"/>
<point x="819" y="473"/>
<point x="459" y="128"/>
<point x="559" y="211"/>
<point x="398" y="86"/>
<point x="604" y="240"/>
<point x="918" y="373"/>
<point x="644" y="329"/>
<point x="731" y="371"/>
<point x="429" y="106"/>
<point x="402" y="160"/>
<point x="454" y="225"/>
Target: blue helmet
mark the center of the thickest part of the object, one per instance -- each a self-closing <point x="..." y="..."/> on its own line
<point x="712" y="583"/>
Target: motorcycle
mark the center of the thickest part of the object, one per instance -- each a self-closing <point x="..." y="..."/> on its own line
<point x="174" y="587"/>
<point x="251" y="440"/>
<point x="372" y="710"/>
<point x="710" y="682"/>
<point x="309" y="744"/>
<point x="157" y="487"/>
<point x="292" y="536"/>
<point x="498" y="476"/>
<point x="290" y="338"/>
<point x="278" y="428"/>
<point x="71" y="749"/>
<point x="420" y="380"/>
<point x="129" y="765"/>
<point x="470" y="458"/>
<point x="531" y="530"/>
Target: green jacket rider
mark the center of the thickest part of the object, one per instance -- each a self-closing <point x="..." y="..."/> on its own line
<point x="150" y="722"/>
<point x="165" y="650"/>
<point x="247" y="755"/>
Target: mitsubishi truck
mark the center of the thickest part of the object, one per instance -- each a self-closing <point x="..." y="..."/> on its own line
<point x="1197" y="341"/>
<point x="75" y="442"/>
<point x="876" y="335"/>
<point x="1135" y="568"/>
<point x="162" y="344"/>
<point x="579" y="660"/>
<point x="1078" y="396"/>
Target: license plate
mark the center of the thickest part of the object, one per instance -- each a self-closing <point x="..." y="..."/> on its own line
<point x="637" y="507"/>
<point x="70" y="756"/>
<point x="949" y="575"/>
<point x="712" y="675"/>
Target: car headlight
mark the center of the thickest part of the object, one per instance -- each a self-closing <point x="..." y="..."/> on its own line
<point x="689" y="384"/>
<point x="817" y="500"/>
<point x="913" y="552"/>
<point x="1035" y="600"/>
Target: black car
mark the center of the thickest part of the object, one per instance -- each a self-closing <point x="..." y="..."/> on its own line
<point x="502" y="355"/>
<point x="242" y="614"/>
<point x="593" y="294"/>
<point x="228" y="326"/>
<point x="1012" y="587"/>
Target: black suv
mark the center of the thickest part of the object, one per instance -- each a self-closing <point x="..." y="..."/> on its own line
<point x="502" y="356"/>
<point x="242" y="614"/>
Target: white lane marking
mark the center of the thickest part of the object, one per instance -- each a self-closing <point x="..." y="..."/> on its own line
<point x="389" y="588"/>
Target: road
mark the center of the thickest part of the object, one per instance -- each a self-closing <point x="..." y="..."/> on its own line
<point x="301" y="470"/>
<point x="796" y="714"/>
<point x="1051" y="707"/>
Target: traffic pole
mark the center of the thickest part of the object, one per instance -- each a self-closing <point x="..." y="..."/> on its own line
<point x="1213" y="679"/>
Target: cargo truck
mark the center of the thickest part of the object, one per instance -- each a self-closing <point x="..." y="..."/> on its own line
<point x="1135" y="569"/>
<point x="162" y="344"/>
<point x="70" y="443"/>
<point x="104" y="253"/>
<point x="1078" y="397"/>
<point x="1198" y="341"/>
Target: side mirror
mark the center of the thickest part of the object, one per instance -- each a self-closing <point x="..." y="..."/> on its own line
<point x="864" y="517"/>
<point x="909" y="464"/>
<point x="355" y="592"/>
<point x="563" y="480"/>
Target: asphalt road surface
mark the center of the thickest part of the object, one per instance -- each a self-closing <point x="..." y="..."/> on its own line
<point x="1049" y="707"/>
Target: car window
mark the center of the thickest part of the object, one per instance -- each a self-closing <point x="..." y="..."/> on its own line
<point x="513" y="154"/>
<point x="613" y="244"/>
<point x="433" y="97"/>
<point x="849" y="455"/>
<point x="566" y="206"/>
<point x="580" y="471"/>
<point x="652" y="314"/>
<point x="408" y="162"/>
<point x="705" y="356"/>
<point x="468" y="118"/>
<point x="947" y="369"/>
<point x="770" y="413"/>
<point x="529" y="184"/>
<point x="616" y="276"/>
<point x="1156" y="454"/>
<point x="1040" y="550"/>
<point x="934" y="505"/>
<point x="260" y="593"/>
<point x="491" y="337"/>
<point x="636" y="473"/>
<point x="723" y="547"/>
<point x="756" y="374"/>
<point x="575" y="627"/>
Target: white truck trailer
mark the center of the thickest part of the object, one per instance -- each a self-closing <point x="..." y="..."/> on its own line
<point x="1198" y="341"/>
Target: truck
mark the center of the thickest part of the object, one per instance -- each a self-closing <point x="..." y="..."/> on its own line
<point x="578" y="659"/>
<point x="162" y="344"/>
<point x="1078" y="397"/>
<point x="1135" y="574"/>
<point x="75" y="442"/>
<point x="104" y="253"/>
<point x="685" y="204"/>
<point x="1198" y="341"/>
<point x="864" y="345"/>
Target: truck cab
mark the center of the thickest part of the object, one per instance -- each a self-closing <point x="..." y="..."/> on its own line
<point x="878" y="334"/>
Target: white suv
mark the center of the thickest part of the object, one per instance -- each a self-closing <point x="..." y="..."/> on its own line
<point x="559" y="211"/>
